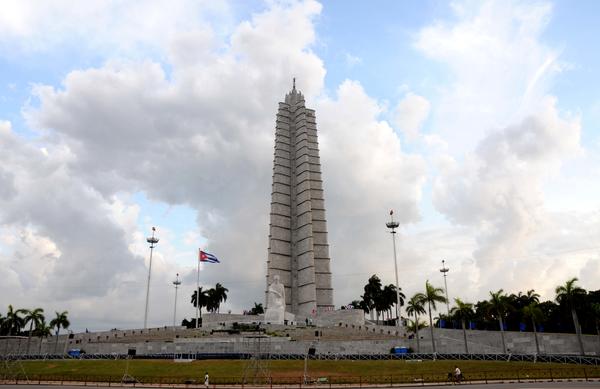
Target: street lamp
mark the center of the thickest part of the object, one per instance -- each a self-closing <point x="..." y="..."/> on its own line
<point x="152" y="240"/>
<point x="445" y="270"/>
<point x="392" y="225"/>
<point x="177" y="282"/>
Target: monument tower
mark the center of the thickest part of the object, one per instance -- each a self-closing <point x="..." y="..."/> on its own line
<point x="298" y="249"/>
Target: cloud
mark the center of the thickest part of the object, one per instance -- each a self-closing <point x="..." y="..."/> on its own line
<point x="410" y="113"/>
<point x="500" y="68"/>
<point x="185" y="116"/>
<point x="108" y="27"/>
<point x="200" y="136"/>
<point x="498" y="189"/>
<point x="68" y="247"/>
<point x="352" y="60"/>
<point x="366" y="173"/>
<point x="503" y="139"/>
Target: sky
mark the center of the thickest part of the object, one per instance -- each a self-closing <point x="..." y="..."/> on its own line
<point x="475" y="121"/>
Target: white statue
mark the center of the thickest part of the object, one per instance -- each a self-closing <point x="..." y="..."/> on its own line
<point x="275" y="313"/>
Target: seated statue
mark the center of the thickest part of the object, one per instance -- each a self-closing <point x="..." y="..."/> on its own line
<point x="275" y="313"/>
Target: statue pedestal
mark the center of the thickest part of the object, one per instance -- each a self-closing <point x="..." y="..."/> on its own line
<point x="274" y="316"/>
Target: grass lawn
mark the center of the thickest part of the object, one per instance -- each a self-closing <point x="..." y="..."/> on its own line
<point x="231" y="371"/>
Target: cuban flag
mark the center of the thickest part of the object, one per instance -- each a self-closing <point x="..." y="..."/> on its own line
<point x="207" y="257"/>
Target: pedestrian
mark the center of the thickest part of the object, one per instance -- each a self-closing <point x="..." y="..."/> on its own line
<point x="457" y="374"/>
<point x="206" y="380"/>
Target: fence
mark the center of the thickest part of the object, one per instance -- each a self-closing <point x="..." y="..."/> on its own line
<point x="576" y="359"/>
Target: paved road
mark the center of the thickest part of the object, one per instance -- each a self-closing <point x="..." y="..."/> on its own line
<point x="538" y="385"/>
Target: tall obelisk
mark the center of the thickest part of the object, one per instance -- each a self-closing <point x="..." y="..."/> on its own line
<point x="298" y="248"/>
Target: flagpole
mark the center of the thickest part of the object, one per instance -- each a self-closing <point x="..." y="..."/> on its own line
<point x="198" y="290"/>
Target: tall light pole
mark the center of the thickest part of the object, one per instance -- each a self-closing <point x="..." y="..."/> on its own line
<point x="445" y="270"/>
<point x="177" y="282"/>
<point x="392" y="225"/>
<point x="152" y="240"/>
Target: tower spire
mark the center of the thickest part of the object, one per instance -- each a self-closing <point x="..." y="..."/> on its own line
<point x="294" y="83"/>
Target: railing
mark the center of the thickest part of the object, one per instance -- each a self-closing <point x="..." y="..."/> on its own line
<point x="583" y="373"/>
<point x="573" y="359"/>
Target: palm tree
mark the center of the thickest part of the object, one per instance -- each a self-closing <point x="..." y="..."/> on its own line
<point x="33" y="317"/>
<point x="531" y="297"/>
<point x="569" y="295"/>
<point x="371" y="295"/>
<point x="534" y="312"/>
<point x="43" y="331"/>
<point x="257" y="309"/>
<point x="201" y="301"/>
<point x="390" y="299"/>
<point x="13" y="322"/>
<point x="60" y="321"/>
<point x="431" y="296"/>
<point x="498" y="306"/>
<point x="415" y="308"/>
<point x="463" y="312"/>
<point x="212" y="301"/>
<point x="414" y="328"/>
<point x="220" y="295"/>
<point x="364" y="305"/>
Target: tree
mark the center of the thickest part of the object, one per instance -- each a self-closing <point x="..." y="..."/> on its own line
<point x="498" y="306"/>
<point x="355" y="304"/>
<point x="215" y="296"/>
<point x="364" y="305"/>
<point x="34" y="317"/>
<point x="463" y="312"/>
<point x="199" y="300"/>
<point x="43" y="330"/>
<point x="432" y="296"/>
<point x="415" y="308"/>
<point x="13" y="321"/>
<point x="531" y="297"/>
<point x="212" y="300"/>
<point x="390" y="300"/>
<point x="414" y="328"/>
<point x="220" y="295"/>
<point x="570" y="295"/>
<point x="372" y="295"/>
<point x="533" y="312"/>
<point x="60" y="321"/>
<point x="257" y="309"/>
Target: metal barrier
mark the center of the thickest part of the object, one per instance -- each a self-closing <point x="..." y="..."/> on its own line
<point x="574" y="359"/>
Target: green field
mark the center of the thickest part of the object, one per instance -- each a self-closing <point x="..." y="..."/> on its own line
<point x="232" y="371"/>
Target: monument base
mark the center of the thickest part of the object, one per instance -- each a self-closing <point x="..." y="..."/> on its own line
<point x="276" y="317"/>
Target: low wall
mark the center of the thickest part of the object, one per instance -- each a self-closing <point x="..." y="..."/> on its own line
<point x="490" y="342"/>
<point x="447" y="341"/>
<point x="222" y="320"/>
<point x="333" y="318"/>
<point x="322" y="319"/>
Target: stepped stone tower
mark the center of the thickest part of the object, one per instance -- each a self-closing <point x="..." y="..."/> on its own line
<point x="298" y="248"/>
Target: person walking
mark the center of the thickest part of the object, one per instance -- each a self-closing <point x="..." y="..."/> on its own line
<point x="206" y="380"/>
